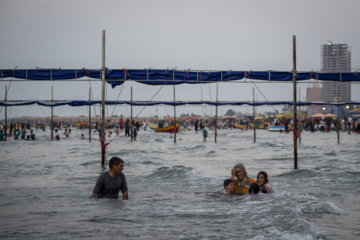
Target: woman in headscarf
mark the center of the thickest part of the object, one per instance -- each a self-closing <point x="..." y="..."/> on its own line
<point x="242" y="182"/>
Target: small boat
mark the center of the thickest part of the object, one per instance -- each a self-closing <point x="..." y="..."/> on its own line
<point x="258" y="127"/>
<point x="170" y="128"/>
<point x="152" y="125"/>
<point x="184" y="129"/>
<point x="277" y="128"/>
<point x="240" y="126"/>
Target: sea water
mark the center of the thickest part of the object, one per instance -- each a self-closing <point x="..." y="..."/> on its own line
<point x="176" y="189"/>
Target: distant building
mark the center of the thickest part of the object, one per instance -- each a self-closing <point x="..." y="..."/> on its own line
<point x="314" y="95"/>
<point x="336" y="58"/>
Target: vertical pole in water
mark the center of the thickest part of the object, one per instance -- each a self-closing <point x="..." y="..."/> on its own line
<point x="338" y="115"/>
<point x="216" y="111"/>
<point x="52" y="114"/>
<point x="295" y="126"/>
<point x="103" y="101"/>
<point x="5" y="129"/>
<point x="174" y="114"/>
<point x="131" y="115"/>
<point x="254" y="115"/>
<point x="89" y="115"/>
<point x="300" y="126"/>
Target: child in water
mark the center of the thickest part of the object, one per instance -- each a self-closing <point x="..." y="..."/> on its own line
<point x="254" y="188"/>
<point x="229" y="186"/>
<point x="205" y="134"/>
<point x="57" y="136"/>
<point x="134" y="132"/>
<point x="262" y="180"/>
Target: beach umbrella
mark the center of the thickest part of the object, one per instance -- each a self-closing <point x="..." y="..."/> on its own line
<point x="318" y="115"/>
<point x="279" y="116"/>
<point x="357" y="110"/>
<point x="228" y="117"/>
<point x="330" y="115"/>
<point x="189" y="118"/>
<point x="259" y="117"/>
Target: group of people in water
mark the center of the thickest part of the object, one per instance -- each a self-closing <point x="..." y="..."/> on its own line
<point x="19" y="135"/>
<point x="240" y="183"/>
<point x="111" y="182"/>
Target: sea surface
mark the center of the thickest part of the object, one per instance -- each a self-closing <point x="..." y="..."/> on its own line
<point x="176" y="189"/>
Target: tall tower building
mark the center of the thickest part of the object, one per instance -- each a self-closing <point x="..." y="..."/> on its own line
<point x="313" y="94"/>
<point x="336" y="58"/>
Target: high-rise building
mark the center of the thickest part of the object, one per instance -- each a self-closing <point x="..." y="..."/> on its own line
<point x="335" y="58"/>
<point x="313" y="95"/>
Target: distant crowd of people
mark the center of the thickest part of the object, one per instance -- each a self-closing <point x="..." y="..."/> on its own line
<point x="23" y="131"/>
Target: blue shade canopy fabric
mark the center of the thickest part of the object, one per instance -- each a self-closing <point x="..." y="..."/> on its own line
<point x="116" y="77"/>
<point x="77" y="103"/>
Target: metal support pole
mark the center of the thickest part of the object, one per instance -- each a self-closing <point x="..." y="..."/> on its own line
<point x="52" y="114"/>
<point x="174" y="116"/>
<point x="300" y="126"/>
<point x="5" y="127"/>
<point x="216" y="111"/>
<point x="89" y="115"/>
<point x="338" y="114"/>
<point x="295" y="127"/>
<point x="131" y="116"/>
<point x="254" y="115"/>
<point x="102" y="138"/>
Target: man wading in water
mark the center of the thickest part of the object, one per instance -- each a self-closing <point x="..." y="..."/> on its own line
<point x="112" y="181"/>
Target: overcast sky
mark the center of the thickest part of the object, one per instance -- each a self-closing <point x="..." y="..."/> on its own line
<point x="187" y="34"/>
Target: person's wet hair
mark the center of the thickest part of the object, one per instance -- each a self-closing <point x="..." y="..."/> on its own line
<point x="254" y="188"/>
<point x="227" y="182"/>
<point x="115" y="161"/>
<point x="265" y="176"/>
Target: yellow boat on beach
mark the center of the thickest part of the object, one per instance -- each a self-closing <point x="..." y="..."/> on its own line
<point x="258" y="127"/>
<point x="251" y="126"/>
<point x="170" y="128"/>
<point x="152" y="125"/>
<point x="240" y="126"/>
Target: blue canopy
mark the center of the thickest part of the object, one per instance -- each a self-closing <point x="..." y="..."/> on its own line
<point x="171" y="77"/>
<point x="79" y="103"/>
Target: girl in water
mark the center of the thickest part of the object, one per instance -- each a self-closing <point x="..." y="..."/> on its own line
<point x="262" y="180"/>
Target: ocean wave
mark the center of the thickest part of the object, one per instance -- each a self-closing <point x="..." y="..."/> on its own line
<point x="332" y="153"/>
<point x="173" y="176"/>
<point x="211" y="153"/>
<point x="195" y="147"/>
<point x="302" y="173"/>
<point x="148" y="162"/>
<point x="272" y="144"/>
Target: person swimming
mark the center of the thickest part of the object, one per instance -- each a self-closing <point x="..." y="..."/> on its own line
<point x="263" y="181"/>
<point x="229" y="186"/>
<point x="254" y="188"/>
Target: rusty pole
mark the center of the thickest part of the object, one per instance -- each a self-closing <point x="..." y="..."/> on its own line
<point x="295" y="125"/>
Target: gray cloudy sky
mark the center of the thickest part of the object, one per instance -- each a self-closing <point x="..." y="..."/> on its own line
<point x="187" y="34"/>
